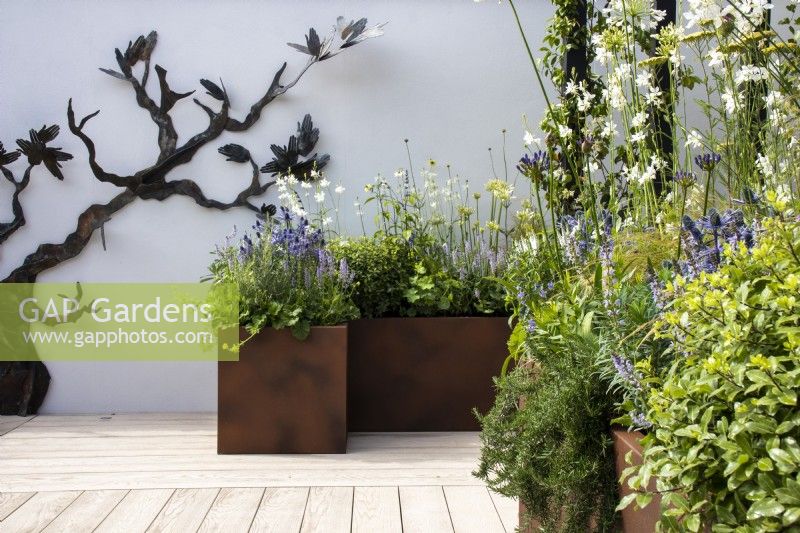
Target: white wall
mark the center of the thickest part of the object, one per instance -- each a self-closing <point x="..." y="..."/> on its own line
<point x="448" y="75"/>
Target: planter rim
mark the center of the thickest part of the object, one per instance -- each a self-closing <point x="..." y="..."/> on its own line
<point x="470" y="317"/>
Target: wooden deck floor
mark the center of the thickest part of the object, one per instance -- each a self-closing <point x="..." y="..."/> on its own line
<point x="161" y="473"/>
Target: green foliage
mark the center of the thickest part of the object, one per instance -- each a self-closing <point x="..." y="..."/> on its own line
<point x="383" y="267"/>
<point x="725" y="449"/>
<point x="280" y="289"/>
<point x="546" y="439"/>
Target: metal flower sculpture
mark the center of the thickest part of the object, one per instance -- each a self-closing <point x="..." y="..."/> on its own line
<point x="151" y="182"/>
<point x="37" y="152"/>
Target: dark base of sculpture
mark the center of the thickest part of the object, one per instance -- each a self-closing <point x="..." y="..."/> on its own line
<point x="23" y="386"/>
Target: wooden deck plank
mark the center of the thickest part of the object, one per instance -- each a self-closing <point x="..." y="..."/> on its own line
<point x="329" y="509"/>
<point x="472" y="510"/>
<point x="10" y="501"/>
<point x="424" y="510"/>
<point x="184" y="511"/>
<point x="508" y="509"/>
<point x="37" y="512"/>
<point x="376" y="510"/>
<point x="135" y="512"/>
<point x="252" y="478"/>
<point x="281" y="510"/>
<point x="10" y="423"/>
<point x="233" y="510"/>
<point x="86" y="512"/>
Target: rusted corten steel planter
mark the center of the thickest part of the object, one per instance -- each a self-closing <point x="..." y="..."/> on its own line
<point x="423" y="374"/>
<point x="285" y="395"/>
<point x="634" y="520"/>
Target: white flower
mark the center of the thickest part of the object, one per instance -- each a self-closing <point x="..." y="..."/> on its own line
<point x="324" y="182"/>
<point x="529" y="139"/>
<point x="326" y="221"/>
<point x="319" y="197"/>
<point x="703" y="10"/>
<point x="765" y="166"/>
<point x="638" y="137"/>
<point x="585" y="102"/>
<point x="732" y="101"/>
<point x="639" y="119"/>
<point x="643" y="78"/>
<point x="694" y="140"/>
<point x="564" y="131"/>
<point x="773" y="98"/>
<point x="649" y="174"/>
<point x="653" y="96"/>
<point x="716" y="58"/>
<point x="305" y="185"/>
<point x="399" y="173"/>
<point x="751" y="73"/>
<point x="609" y="129"/>
<point x="570" y="88"/>
<point x="339" y="189"/>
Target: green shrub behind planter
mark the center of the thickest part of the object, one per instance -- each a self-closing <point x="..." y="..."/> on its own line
<point x="725" y="451"/>
<point x="552" y="450"/>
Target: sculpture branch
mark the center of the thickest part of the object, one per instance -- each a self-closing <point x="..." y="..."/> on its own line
<point x="97" y="170"/>
<point x="49" y="255"/>
<point x="8" y="228"/>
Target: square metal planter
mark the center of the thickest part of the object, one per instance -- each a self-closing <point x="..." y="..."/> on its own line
<point x="284" y="395"/>
<point x="423" y="374"/>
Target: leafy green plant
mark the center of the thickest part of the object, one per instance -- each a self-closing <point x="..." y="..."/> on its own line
<point x="382" y="268"/>
<point x="725" y="450"/>
<point x="286" y="278"/>
<point x="546" y="440"/>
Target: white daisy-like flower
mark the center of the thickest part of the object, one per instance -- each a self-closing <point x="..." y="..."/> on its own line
<point x="528" y="138"/>
<point x="715" y="58"/>
<point x="319" y="197"/>
<point x="305" y="185"/>
<point x="339" y="189"/>
<point x="694" y="140"/>
<point x="324" y="182"/>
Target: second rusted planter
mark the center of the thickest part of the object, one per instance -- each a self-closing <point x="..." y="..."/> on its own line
<point x="423" y="374"/>
<point x="634" y="520"/>
<point x="285" y="395"/>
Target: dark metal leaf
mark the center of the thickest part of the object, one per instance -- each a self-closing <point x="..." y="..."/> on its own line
<point x="300" y="48"/>
<point x="268" y="210"/>
<point x="114" y="73"/>
<point x="47" y="133"/>
<point x="235" y="153"/>
<point x="313" y="45"/>
<point x="356" y="29"/>
<point x="6" y="158"/>
<point x="273" y="167"/>
<point x="123" y="63"/>
<point x="213" y="90"/>
<point x="307" y="136"/>
<point x="313" y="42"/>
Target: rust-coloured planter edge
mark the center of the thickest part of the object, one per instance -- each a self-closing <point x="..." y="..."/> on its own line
<point x="634" y="520"/>
<point x="284" y="395"/>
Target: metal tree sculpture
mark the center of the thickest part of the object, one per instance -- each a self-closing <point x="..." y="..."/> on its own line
<point x="151" y="182"/>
